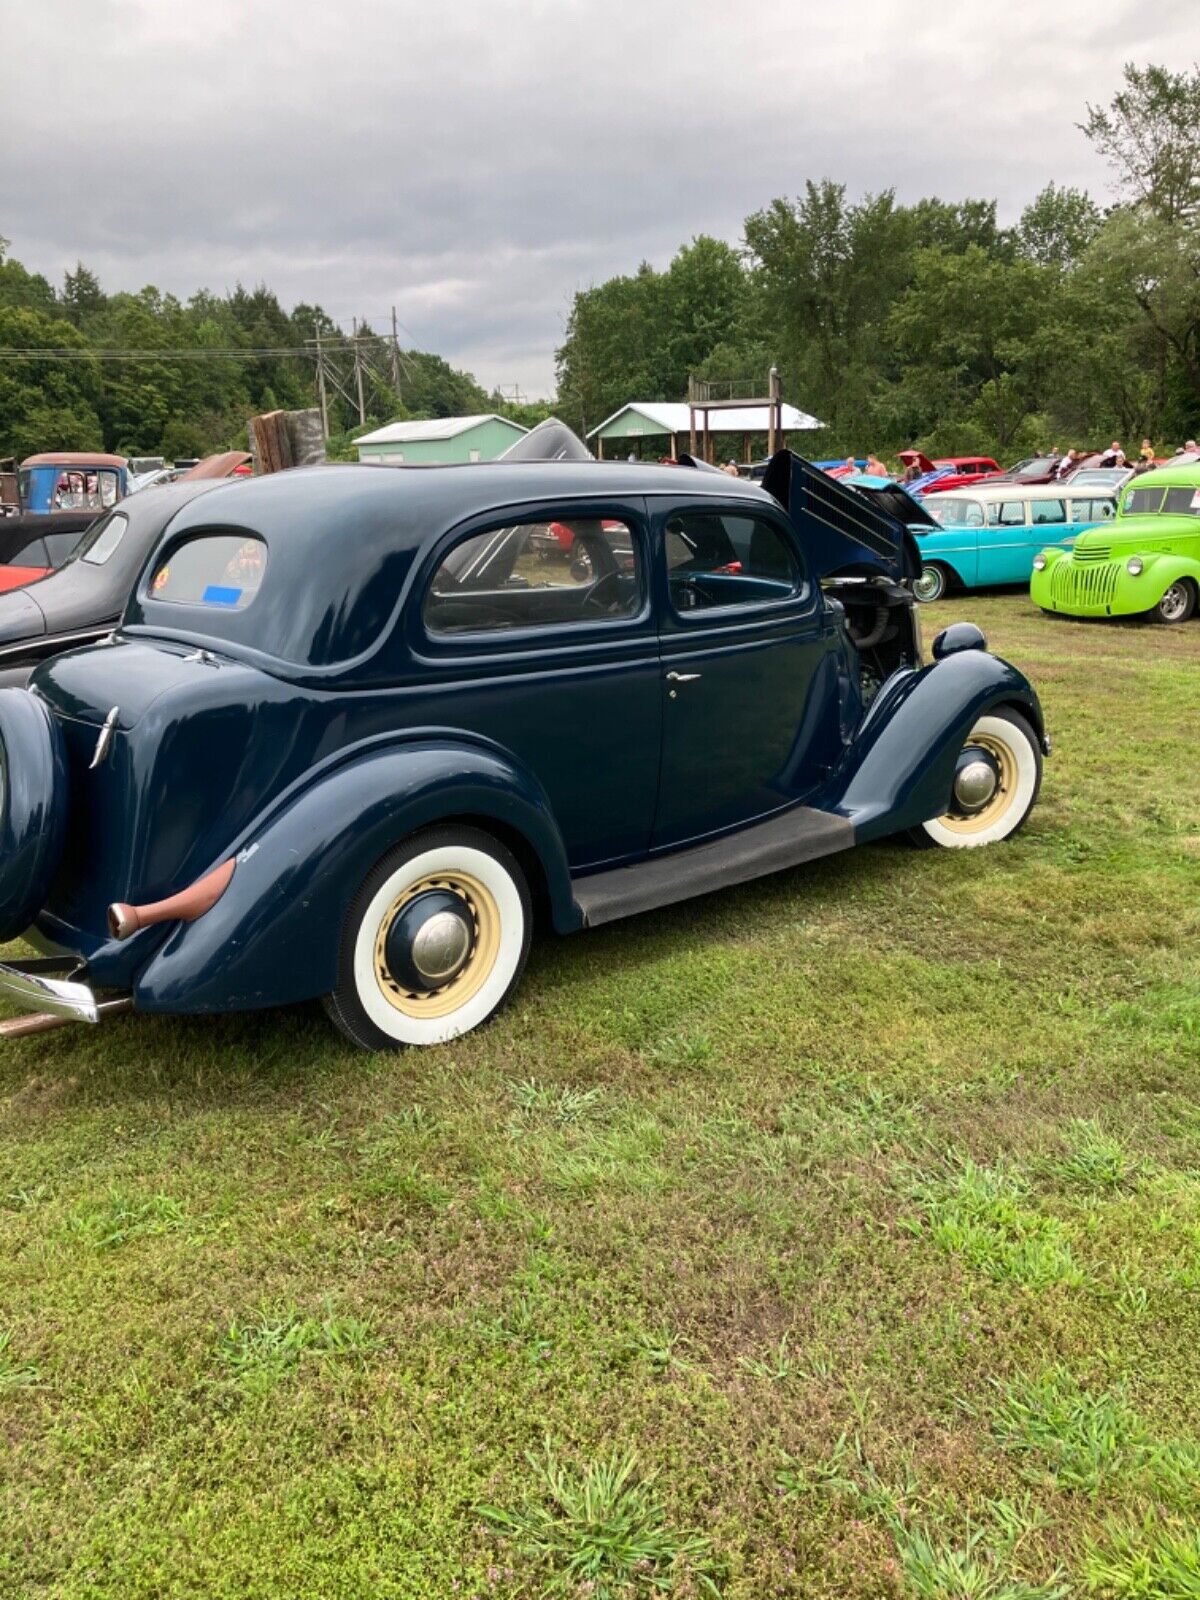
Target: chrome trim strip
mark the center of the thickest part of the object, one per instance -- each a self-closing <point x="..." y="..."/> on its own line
<point x="31" y="984"/>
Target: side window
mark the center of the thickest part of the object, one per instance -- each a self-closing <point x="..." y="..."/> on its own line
<point x="727" y="559"/>
<point x="538" y="575"/>
<point x="1047" y="511"/>
<point x="102" y="538"/>
<point x="1007" y="514"/>
<point x="972" y="514"/>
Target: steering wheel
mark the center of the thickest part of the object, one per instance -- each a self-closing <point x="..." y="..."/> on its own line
<point x="605" y="595"/>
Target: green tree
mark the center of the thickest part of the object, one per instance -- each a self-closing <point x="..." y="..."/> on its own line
<point x="1057" y="227"/>
<point x="1150" y="133"/>
<point x="46" y="404"/>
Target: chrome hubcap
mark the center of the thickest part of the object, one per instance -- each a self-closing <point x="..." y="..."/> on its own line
<point x="440" y="946"/>
<point x="1174" y="602"/>
<point x="975" y="784"/>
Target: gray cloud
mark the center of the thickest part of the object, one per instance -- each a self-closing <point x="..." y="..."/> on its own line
<point x="475" y="163"/>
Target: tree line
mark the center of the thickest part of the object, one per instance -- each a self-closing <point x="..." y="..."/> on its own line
<point x="930" y="323"/>
<point x="91" y="395"/>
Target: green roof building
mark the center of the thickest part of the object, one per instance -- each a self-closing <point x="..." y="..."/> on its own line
<point x="439" y="441"/>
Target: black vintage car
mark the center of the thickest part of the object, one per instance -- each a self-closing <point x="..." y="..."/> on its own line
<point x="97" y="562"/>
<point x="354" y="732"/>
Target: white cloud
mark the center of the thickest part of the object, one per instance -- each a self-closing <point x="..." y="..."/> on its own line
<point x="475" y="163"/>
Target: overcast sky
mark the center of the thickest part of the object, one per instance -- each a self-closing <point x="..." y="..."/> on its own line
<point x="474" y="162"/>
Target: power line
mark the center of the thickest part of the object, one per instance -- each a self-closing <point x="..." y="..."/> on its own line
<point x="200" y="353"/>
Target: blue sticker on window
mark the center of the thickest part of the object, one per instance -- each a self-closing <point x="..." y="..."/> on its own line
<point x="218" y="595"/>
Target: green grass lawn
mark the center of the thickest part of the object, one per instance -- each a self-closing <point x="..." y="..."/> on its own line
<point x="838" y="1236"/>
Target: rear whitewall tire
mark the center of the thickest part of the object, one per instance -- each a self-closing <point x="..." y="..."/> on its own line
<point x="1009" y="737"/>
<point x="369" y="1008"/>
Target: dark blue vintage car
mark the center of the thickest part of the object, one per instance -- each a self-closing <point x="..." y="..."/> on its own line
<point x="359" y="727"/>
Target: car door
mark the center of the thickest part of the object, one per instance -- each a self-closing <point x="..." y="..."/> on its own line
<point x="1049" y="524"/>
<point x="537" y="633"/>
<point x="749" y="668"/>
<point x="1004" y="555"/>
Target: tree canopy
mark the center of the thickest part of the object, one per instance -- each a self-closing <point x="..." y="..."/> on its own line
<point x="931" y="323"/>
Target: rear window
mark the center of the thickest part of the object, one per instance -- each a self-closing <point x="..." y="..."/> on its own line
<point x="1044" y="511"/>
<point x="221" y="570"/>
<point x="101" y="540"/>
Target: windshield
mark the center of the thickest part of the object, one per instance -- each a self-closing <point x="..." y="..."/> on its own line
<point x="1181" y="500"/>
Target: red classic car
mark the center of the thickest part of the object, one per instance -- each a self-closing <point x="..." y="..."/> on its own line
<point x="967" y="469"/>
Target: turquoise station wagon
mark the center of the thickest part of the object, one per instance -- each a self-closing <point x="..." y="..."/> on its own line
<point x="991" y="533"/>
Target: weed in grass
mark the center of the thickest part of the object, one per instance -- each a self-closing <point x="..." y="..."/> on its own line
<point x="14" y="1373"/>
<point x="522" y="1326"/>
<point x="686" y="1050"/>
<point x="601" y="1530"/>
<point x="26" y="1199"/>
<point x="1173" y="1474"/>
<point x="655" y="1347"/>
<point x="778" y="1367"/>
<point x="980" y="1214"/>
<point x="258" y="1351"/>
<point x="116" y="1219"/>
<point x="1093" y="1161"/>
<point x="563" y="1106"/>
<point x="1148" y="1563"/>
<point x="968" y="1571"/>
<point x="1065" y="1435"/>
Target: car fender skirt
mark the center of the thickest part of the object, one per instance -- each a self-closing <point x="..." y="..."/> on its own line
<point x="272" y="938"/>
<point x="899" y="769"/>
<point x="33" y="807"/>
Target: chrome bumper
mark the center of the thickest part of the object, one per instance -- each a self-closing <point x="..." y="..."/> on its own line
<point x="47" y="988"/>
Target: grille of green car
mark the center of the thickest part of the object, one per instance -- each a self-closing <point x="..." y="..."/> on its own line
<point x="1095" y="552"/>
<point x="1090" y="585"/>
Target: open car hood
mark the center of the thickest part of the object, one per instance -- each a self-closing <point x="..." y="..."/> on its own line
<point x="846" y="531"/>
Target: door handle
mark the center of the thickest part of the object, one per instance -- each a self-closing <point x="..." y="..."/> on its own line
<point x="682" y="677"/>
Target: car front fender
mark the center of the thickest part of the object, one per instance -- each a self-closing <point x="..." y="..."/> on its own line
<point x="1159" y="572"/>
<point x="272" y="938"/>
<point x="899" y="769"/>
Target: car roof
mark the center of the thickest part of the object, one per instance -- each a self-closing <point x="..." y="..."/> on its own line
<point x="988" y="491"/>
<point x="343" y="540"/>
<point x="73" y="458"/>
<point x="1185" y="474"/>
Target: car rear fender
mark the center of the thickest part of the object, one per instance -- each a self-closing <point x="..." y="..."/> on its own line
<point x="900" y="767"/>
<point x="272" y="938"/>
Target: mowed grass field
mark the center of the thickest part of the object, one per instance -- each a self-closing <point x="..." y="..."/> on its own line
<point x="838" y="1236"/>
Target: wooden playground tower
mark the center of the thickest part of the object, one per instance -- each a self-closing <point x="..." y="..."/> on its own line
<point x="706" y="396"/>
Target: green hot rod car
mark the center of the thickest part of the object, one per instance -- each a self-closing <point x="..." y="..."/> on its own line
<point x="1146" y="561"/>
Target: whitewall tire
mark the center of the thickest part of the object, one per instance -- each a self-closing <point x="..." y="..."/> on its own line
<point x="1008" y="747"/>
<point x="434" y="942"/>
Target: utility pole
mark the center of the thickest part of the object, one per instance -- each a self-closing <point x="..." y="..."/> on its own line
<point x="395" y="356"/>
<point x="321" y="383"/>
<point x="362" y="410"/>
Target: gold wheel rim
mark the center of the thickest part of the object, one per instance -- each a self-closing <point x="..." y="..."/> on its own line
<point x="1006" y="788"/>
<point x="470" y="978"/>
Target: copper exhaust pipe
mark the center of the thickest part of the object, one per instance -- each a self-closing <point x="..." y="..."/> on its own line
<point x="45" y="1021"/>
<point x="186" y="906"/>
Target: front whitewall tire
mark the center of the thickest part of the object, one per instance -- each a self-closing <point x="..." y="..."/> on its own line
<point x="1013" y="738"/>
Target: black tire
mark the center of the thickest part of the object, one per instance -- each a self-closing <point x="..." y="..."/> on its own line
<point x="370" y="1005"/>
<point x="933" y="583"/>
<point x="950" y="832"/>
<point x="1177" y="604"/>
<point x="33" y="807"/>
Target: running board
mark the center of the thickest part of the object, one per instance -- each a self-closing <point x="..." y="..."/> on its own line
<point x="788" y="840"/>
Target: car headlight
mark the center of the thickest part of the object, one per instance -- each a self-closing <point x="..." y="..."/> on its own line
<point x="1134" y="566"/>
<point x="1039" y="563"/>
